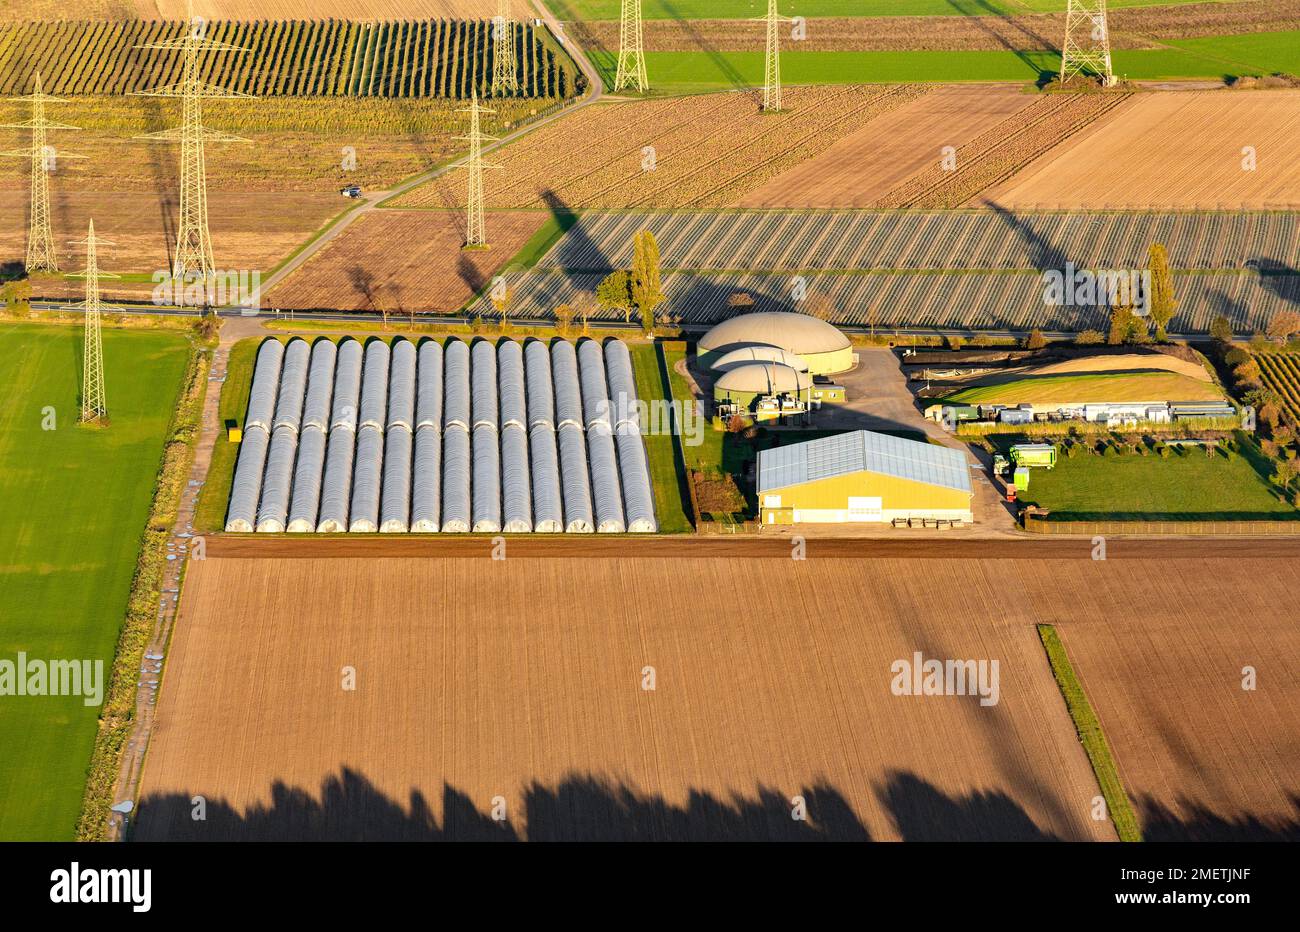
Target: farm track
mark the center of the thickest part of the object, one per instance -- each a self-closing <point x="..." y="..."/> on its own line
<point x="566" y="547"/>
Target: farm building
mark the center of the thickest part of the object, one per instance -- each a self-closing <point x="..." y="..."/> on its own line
<point x="824" y="349"/>
<point x="763" y="389"/>
<point x="863" y="476"/>
<point x="427" y="437"/>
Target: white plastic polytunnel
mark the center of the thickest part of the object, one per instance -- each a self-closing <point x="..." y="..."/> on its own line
<point x="574" y="482"/>
<point x="336" y="490"/>
<point x="455" y="480"/>
<point x="374" y="386"/>
<point x="483" y="382"/>
<point x="395" y="510"/>
<point x="638" y="499"/>
<point x="516" y="494"/>
<point x="622" y="387"/>
<point x="265" y="387"/>
<point x="426" y="484"/>
<point x="455" y="396"/>
<point x="366" y="479"/>
<point x="548" y="508"/>
<point x="605" y="486"/>
<point x="510" y="376"/>
<point x="595" y="393"/>
<point x="541" y="396"/>
<point x="347" y="387"/>
<point x="304" y="508"/>
<point x="293" y="385"/>
<point x="487" y="480"/>
<point x="246" y="488"/>
<point x="320" y="385"/>
<point x="277" y="481"/>
<point x="401" y="386"/>
<point x="428" y="400"/>
<point x="568" y="396"/>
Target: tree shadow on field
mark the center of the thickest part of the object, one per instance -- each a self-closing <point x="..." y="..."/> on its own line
<point x="1195" y="822"/>
<point x="348" y="807"/>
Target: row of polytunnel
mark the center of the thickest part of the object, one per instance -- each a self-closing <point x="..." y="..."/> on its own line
<point x="431" y="438"/>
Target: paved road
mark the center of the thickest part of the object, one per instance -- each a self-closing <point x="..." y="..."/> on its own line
<point x="372" y="201"/>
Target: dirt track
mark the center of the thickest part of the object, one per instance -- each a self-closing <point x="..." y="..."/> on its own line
<point x="601" y="547"/>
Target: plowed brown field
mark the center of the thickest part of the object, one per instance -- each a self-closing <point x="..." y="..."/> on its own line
<point x="404" y="260"/>
<point x="484" y="683"/>
<point x="861" y="168"/>
<point x="1172" y="150"/>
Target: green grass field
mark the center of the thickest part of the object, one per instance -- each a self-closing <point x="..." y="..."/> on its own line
<point x="570" y="10"/>
<point x="75" y="501"/>
<point x="1190" y="486"/>
<point x="1215" y="57"/>
<point x="1090" y="387"/>
<point x="210" y="511"/>
<point x="661" y="449"/>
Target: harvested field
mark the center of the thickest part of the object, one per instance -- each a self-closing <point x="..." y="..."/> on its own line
<point x="1129" y="362"/>
<point x="1002" y="150"/>
<point x="1227" y="771"/>
<point x="405" y="261"/>
<point x="1172" y="150"/>
<point x="861" y="168"/>
<point x="528" y="687"/>
<point x="329" y="9"/>
<point x="695" y="152"/>
<point x="1129" y="28"/>
<point x="1052" y="390"/>
<point x="249" y="231"/>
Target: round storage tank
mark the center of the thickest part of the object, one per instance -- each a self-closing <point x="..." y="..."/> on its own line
<point x="824" y="348"/>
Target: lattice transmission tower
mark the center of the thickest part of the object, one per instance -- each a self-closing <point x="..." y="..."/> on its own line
<point x="93" y="407"/>
<point x="1087" y="42"/>
<point x="772" y="61"/>
<point x="504" y="78"/>
<point x="631" y="49"/>
<point x="41" y="254"/>
<point x="193" y="259"/>
<point x="476" y="231"/>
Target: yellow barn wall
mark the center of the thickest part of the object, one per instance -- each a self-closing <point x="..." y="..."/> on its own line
<point x="896" y="494"/>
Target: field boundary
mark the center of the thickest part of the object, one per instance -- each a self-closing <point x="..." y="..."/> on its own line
<point x="118" y="712"/>
<point x="1190" y="528"/>
<point x="1091" y="736"/>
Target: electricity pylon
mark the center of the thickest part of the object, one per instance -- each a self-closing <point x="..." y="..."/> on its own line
<point x="772" y="61"/>
<point x="476" y="232"/>
<point x="93" y="407"/>
<point x="504" y="79"/>
<point x="1087" y="41"/>
<point x="631" y="49"/>
<point x="41" y="254"/>
<point x="193" y="242"/>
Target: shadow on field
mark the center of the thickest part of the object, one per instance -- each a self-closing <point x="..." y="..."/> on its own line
<point x="1159" y="823"/>
<point x="981" y="12"/>
<point x="348" y="807"/>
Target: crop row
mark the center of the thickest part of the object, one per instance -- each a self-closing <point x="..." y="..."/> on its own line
<point x="859" y="240"/>
<point x="326" y="58"/>
<point x="972" y="300"/>
<point x="1282" y="374"/>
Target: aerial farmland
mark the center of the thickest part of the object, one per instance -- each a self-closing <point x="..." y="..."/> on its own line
<point x="633" y="420"/>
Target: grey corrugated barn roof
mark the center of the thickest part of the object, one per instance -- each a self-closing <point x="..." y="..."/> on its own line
<point x="862" y="450"/>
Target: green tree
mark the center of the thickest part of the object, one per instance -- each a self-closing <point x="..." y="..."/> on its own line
<point x="614" y="293"/>
<point x="1221" y="329"/>
<point x="1163" y="304"/>
<point x="1035" y="340"/>
<point x="645" y="286"/>
<point x="1125" y="325"/>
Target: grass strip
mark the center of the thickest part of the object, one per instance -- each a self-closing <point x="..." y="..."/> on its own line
<point x="1091" y="737"/>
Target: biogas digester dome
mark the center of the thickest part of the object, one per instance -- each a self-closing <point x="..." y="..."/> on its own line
<point x="825" y="349"/>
